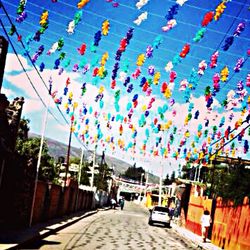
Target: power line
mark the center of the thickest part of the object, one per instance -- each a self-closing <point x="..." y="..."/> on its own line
<point x="229" y="141"/>
<point x="36" y="71"/>
<point x="44" y="104"/>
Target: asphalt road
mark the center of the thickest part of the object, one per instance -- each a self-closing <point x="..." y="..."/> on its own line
<point x="112" y="230"/>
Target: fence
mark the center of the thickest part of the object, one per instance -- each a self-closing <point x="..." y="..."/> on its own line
<point x="53" y="201"/>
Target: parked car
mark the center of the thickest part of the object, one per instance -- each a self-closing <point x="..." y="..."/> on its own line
<point x="159" y="215"/>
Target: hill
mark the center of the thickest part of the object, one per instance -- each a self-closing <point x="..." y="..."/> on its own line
<point x="57" y="149"/>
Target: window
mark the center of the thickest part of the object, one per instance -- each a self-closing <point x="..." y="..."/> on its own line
<point x="161" y="209"/>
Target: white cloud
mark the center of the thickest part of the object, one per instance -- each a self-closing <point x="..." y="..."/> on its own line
<point x="8" y="92"/>
<point x="12" y="63"/>
<point x="32" y="106"/>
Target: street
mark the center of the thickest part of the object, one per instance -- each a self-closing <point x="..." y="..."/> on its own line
<point x="114" y="229"/>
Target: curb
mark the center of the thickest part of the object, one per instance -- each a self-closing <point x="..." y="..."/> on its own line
<point x="193" y="243"/>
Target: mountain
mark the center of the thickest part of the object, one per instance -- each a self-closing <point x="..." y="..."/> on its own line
<point x="58" y="149"/>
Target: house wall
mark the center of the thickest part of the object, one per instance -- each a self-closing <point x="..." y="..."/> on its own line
<point x="231" y="225"/>
<point x="231" y="229"/>
<point x="52" y="201"/>
<point x="196" y="207"/>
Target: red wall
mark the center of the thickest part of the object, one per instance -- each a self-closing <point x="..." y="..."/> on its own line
<point x="52" y="201"/>
<point x="231" y="225"/>
<point x="231" y="228"/>
<point x="55" y="193"/>
<point x="196" y="208"/>
<point x="39" y="202"/>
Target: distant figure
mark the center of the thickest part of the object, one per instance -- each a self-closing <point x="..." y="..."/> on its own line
<point x="113" y="203"/>
<point x="122" y="202"/>
<point x="205" y="224"/>
<point x="171" y="210"/>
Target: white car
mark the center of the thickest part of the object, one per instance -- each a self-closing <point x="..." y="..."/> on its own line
<point x="159" y="215"/>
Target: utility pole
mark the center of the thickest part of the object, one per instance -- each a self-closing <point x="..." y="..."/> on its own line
<point x="146" y="184"/>
<point x="79" y="180"/>
<point x="160" y="185"/>
<point x="39" y="160"/>
<point x="80" y="168"/>
<point x="142" y="174"/>
<point x="68" y="153"/>
<point x="93" y="170"/>
<point x="72" y="118"/>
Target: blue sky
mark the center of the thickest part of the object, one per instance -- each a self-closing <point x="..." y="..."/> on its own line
<point x="98" y="118"/>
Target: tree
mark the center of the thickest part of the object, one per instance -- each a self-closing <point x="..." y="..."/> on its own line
<point x="135" y="173"/>
<point x="101" y="179"/>
<point x="75" y="160"/>
<point x="29" y="148"/>
<point x="167" y="181"/>
<point x="23" y="129"/>
<point x="172" y="178"/>
<point x="231" y="183"/>
<point x="84" y="174"/>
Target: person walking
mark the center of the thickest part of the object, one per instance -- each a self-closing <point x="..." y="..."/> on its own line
<point x="205" y="224"/>
<point x="113" y="203"/>
<point x="122" y="203"/>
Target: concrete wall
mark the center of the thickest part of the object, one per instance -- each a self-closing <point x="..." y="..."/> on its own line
<point x="231" y="225"/>
<point x="53" y="201"/>
<point x="231" y="229"/>
<point x="196" y="207"/>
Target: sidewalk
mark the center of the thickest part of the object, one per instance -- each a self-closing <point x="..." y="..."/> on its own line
<point x="194" y="239"/>
<point x="15" y="239"/>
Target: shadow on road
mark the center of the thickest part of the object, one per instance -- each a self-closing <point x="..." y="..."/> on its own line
<point x="40" y="243"/>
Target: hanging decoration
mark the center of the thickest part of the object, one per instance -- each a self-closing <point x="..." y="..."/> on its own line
<point x="248" y="80"/>
<point x="199" y="35"/>
<point x="202" y="67"/>
<point x="224" y="74"/>
<point x="239" y="65"/>
<point x="141" y="3"/>
<point x="82" y="3"/>
<point x="170" y="25"/>
<point x="105" y="27"/>
<point x="37" y="54"/>
<point x="72" y="24"/>
<point x="22" y="14"/>
<point x="141" y="18"/>
<point x="57" y="46"/>
<point x="213" y="59"/>
<point x="144" y="113"/>
<point x="220" y="10"/>
<point x="44" y="23"/>
<point x="207" y="18"/>
<point x="229" y="40"/>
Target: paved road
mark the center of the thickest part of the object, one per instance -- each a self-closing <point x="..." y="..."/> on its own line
<point x="114" y="230"/>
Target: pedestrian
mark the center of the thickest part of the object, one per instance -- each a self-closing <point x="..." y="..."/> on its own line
<point x="171" y="210"/>
<point x="122" y="203"/>
<point x="113" y="203"/>
<point x="205" y="224"/>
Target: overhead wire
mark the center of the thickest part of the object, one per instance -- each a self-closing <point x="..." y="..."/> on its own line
<point x="206" y="77"/>
<point x="217" y="150"/>
<point x="6" y="33"/>
<point x="203" y="77"/>
<point x="163" y="49"/>
<point x="26" y="73"/>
